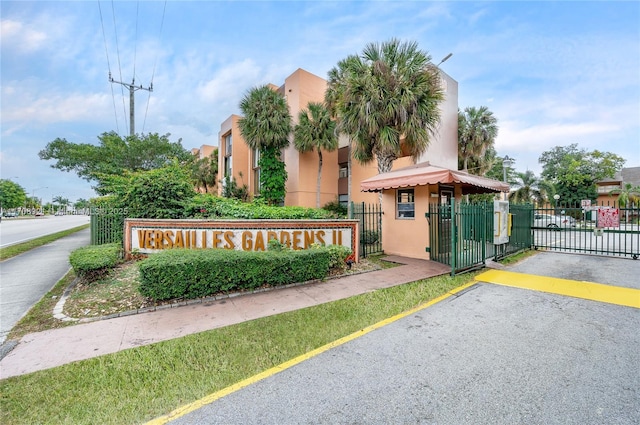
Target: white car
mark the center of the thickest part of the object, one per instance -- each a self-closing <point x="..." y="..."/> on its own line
<point x="553" y="221"/>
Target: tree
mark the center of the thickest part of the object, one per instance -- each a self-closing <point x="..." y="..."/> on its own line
<point x="204" y="171"/>
<point x="573" y="171"/>
<point x="113" y="155"/>
<point x="265" y="126"/>
<point x="386" y="100"/>
<point x="596" y="165"/>
<point x="528" y="189"/>
<point x="628" y="193"/>
<point x="12" y="195"/>
<point x="477" y="131"/>
<point x="158" y="193"/>
<point x="315" y="131"/>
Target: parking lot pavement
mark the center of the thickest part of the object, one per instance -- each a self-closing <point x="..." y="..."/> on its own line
<point x="492" y="354"/>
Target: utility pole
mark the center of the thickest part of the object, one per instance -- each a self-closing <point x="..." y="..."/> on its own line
<point x="132" y="88"/>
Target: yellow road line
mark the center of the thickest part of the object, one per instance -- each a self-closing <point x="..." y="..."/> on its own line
<point x="628" y="297"/>
<point x="183" y="410"/>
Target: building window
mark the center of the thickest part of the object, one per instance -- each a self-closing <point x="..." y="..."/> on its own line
<point x="405" y="205"/>
<point x="343" y="200"/>
<point x="228" y="151"/>
<point x="344" y="171"/>
<point x="256" y="171"/>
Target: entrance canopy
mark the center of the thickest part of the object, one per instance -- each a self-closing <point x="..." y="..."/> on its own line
<point x="425" y="174"/>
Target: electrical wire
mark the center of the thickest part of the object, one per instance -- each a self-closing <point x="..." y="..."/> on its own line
<point x="153" y="72"/>
<point x="106" y="50"/>
<point x="124" y="109"/>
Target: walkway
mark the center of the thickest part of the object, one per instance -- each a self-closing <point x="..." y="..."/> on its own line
<point x="43" y="350"/>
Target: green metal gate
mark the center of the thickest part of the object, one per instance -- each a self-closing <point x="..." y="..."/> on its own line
<point x="604" y="229"/>
<point x="107" y="226"/>
<point x="461" y="234"/>
<point x="370" y="216"/>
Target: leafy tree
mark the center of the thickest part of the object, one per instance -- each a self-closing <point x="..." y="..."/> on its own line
<point x="158" y="193"/>
<point x="477" y="131"/>
<point x="204" y="171"/>
<point x="265" y="126"/>
<point x="315" y="131"/>
<point x="386" y="100"/>
<point x="113" y="155"/>
<point x="573" y="171"/>
<point x="12" y="195"/>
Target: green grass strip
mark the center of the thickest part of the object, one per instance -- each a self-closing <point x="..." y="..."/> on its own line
<point x="140" y="384"/>
<point x="17" y="249"/>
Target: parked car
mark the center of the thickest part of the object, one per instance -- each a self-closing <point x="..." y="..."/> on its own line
<point x="10" y="213"/>
<point x="553" y="221"/>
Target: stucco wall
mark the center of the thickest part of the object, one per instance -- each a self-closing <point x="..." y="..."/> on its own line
<point x="406" y="237"/>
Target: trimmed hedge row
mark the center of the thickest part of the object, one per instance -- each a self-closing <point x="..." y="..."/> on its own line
<point x="95" y="259"/>
<point x="185" y="273"/>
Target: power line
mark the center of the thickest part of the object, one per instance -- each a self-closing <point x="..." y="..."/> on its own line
<point x="106" y="50"/>
<point x="153" y="72"/>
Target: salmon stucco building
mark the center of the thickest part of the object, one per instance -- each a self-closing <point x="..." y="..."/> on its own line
<point x="406" y="191"/>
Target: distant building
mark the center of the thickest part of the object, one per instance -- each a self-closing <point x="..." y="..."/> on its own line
<point x="604" y="187"/>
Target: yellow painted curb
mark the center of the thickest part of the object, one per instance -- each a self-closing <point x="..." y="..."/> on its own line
<point x="628" y="297"/>
<point x="183" y="410"/>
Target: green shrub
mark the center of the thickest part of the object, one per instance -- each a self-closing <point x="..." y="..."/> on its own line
<point x="92" y="261"/>
<point x="185" y="273"/>
<point x="335" y="207"/>
<point x="211" y="206"/>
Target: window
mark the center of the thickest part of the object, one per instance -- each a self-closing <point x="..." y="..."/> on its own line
<point x="256" y="171"/>
<point x="405" y="206"/>
<point x="228" y="151"/>
<point x="343" y="200"/>
<point x="608" y="188"/>
<point x="344" y="171"/>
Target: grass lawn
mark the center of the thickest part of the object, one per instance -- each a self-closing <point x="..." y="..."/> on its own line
<point x="143" y="383"/>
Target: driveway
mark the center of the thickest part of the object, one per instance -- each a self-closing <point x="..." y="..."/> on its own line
<point x="491" y="354"/>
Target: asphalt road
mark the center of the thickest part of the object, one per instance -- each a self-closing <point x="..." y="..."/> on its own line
<point x="26" y="278"/>
<point x="17" y="230"/>
<point x="493" y="355"/>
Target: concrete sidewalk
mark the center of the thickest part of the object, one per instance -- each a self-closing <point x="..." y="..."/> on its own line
<point x="43" y="350"/>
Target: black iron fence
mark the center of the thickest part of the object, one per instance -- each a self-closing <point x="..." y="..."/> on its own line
<point x="370" y="216"/>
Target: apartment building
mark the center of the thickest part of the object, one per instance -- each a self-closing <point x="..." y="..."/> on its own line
<point x="301" y="87"/>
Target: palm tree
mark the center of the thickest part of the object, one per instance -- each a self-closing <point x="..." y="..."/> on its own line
<point x="265" y="126"/>
<point x="628" y="193"/>
<point x="315" y="130"/>
<point x="386" y="100"/>
<point x="528" y="189"/>
<point x="477" y="131"/>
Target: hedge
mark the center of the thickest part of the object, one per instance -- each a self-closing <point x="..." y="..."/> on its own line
<point x="186" y="273"/>
<point x="90" y="261"/>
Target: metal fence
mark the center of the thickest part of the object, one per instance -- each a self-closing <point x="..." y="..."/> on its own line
<point x="461" y="235"/>
<point x="107" y="226"/>
<point x="604" y="229"/>
<point x="370" y="216"/>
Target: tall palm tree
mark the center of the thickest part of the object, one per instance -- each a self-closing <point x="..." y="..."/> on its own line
<point x="477" y="131"/>
<point x="315" y="131"/>
<point x="528" y="189"/>
<point x="386" y="100"/>
<point x="265" y="126"/>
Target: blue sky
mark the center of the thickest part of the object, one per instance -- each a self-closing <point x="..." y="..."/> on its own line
<point x="553" y="73"/>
